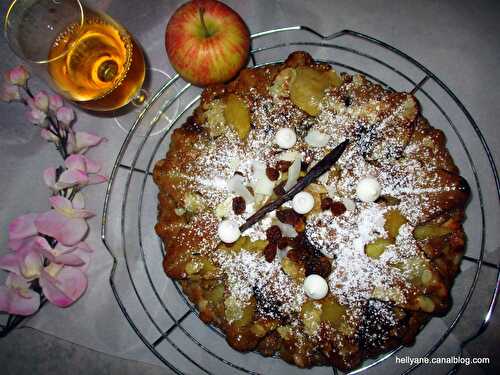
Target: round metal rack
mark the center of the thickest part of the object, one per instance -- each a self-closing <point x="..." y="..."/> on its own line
<point x="154" y="305"/>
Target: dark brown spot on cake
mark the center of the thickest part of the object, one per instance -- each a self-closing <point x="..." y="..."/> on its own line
<point x="239" y="205"/>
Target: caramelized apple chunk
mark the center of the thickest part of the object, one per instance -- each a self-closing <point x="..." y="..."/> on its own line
<point x="427" y="231"/>
<point x="332" y="312"/>
<point x="393" y="221"/>
<point x="311" y="316"/>
<point x="376" y="248"/>
<point x="237" y="115"/>
<point x="308" y="88"/>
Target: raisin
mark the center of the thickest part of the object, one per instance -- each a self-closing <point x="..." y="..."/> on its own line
<point x="239" y="205"/>
<point x="283" y="242"/>
<point x="294" y="255"/>
<point x="337" y="208"/>
<point x="271" y="343"/>
<point x="273" y="234"/>
<point x="377" y="333"/>
<point x="288" y="216"/>
<point x="283" y="165"/>
<point x="347" y="100"/>
<point x="326" y="266"/>
<point x="192" y="126"/>
<point x="270" y="251"/>
<point x="266" y="306"/>
<point x="299" y="226"/>
<point x="326" y="203"/>
<point x="272" y="173"/>
<point x="307" y="250"/>
<point x="318" y="266"/>
<point x="279" y="190"/>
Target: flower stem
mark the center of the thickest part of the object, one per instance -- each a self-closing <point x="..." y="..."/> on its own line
<point x="28" y="91"/>
<point x="14" y="320"/>
<point x="73" y="193"/>
<point x="54" y="127"/>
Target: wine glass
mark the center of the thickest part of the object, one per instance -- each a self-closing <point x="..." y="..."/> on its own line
<point x="84" y="54"/>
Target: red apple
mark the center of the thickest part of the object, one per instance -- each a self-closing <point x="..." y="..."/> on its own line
<point x="207" y="42"/>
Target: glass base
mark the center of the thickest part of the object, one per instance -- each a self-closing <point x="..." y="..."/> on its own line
<point x="155" y="78"/>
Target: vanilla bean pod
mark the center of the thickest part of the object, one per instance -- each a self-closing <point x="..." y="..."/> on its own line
<point x="321" y="167"/>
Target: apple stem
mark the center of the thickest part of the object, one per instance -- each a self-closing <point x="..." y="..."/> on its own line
<point x="203" y="24"/>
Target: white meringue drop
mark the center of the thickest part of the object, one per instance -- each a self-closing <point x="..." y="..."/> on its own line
<point x="315" y="286"/>
<point x="303" y="202"/>
<point x="228" y="231"/>
<point x="368" y="189"/>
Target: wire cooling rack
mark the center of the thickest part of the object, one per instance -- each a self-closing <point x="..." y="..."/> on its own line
<point x="154" y="305"/>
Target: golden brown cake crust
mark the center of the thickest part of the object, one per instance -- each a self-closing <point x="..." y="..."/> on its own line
<point x="389" y="264"/>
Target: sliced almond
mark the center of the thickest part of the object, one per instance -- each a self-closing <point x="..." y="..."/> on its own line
<point x="315" y="138"/>
<point x="293" y="174"/>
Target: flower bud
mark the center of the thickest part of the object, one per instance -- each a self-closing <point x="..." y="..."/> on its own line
<point x="35" y="116"/>
<point x="17" y="76"/>
<point x="65" y="115"/>
<point x="41" y="101"/>
<point x="48" y="136"/>
<point x="55" y="102"/>
<point x="9" y="93"/>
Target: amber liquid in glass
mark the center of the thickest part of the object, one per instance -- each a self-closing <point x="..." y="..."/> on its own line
<point x="103" y="67"/>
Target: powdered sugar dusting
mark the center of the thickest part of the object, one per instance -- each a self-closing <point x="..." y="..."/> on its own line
<point x="248" y="271"/>
<point x="379" y="125"/>
<point x="343" y="238"/>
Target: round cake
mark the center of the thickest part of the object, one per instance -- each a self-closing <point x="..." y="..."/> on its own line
<point x="357" y="262"/>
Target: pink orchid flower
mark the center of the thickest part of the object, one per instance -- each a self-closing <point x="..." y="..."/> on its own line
<point x="75" y="256"/>
<point x="84" y="164"/>
<point x="69" y="178"/>
<point x="55" y="102"/>
<point x="22" y="232"/>
<point x="66" y="221"/>
<point x="24" y="260"/>
<point x="80" y="142"/>
<point x="80" y="171"/>
<point x="62" y="282"/>
<point x="82" y="250"/>
<point x="27" y="263"/>
<point x="9" y="93"/>
<point x="65" y="115"/>
<point x="17" y="76"/>
<point x="62" y="285"/>
<point x="16" y="297"/>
